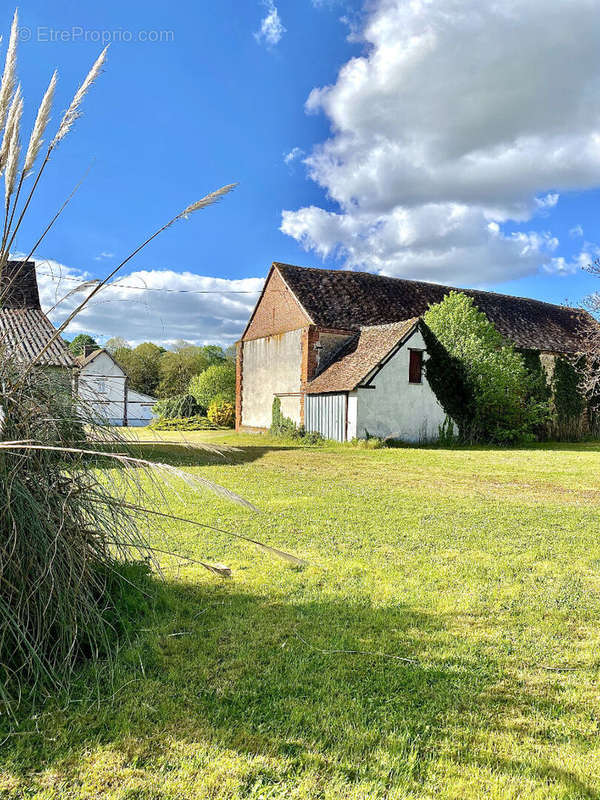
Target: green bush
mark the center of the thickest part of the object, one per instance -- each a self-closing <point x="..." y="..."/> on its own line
<point x="178" y="406"/>
<point x="286" y="428"/>
<point x="222" y="413"/>
<point x="216" y="382"/>
<point x="490" y="376"/>
<point x="280" y="425"/>
<point x="195" y="423"/>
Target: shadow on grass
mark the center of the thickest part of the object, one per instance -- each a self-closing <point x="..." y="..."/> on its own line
<point x="192" y="455"/>
<point x="219" y="668"/>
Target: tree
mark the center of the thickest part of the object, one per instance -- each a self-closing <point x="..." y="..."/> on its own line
<point x="214" y="354"/>
<point x="80" y="342"/>
<point x="231" y="353"/>
<point x="215" y="383"/>
<point x="496" y="384"/>
<point x="178" y="368"/>
<point x="116" y="343"/>
<point x="142" y="366"/>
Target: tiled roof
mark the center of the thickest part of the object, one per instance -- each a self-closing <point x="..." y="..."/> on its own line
<point x="82" y="360"/>
<point x="18" y="285"/>
<point x="359" y="356"/>
<point x="25" y="331"/>
<point x="349" y="300"/>
<point x="24" y="328"/>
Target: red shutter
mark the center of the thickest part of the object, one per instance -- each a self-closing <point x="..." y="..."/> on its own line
<point x="415" y="367"/>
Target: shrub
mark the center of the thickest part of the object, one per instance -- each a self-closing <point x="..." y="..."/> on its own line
<point x="178" y="406"/>
<point x="222" y="413"/>
<point x="216" y="382"/>
<point x="280" y="425"/>
<point x="195" y="423"/>
<point x="492" y="377"/>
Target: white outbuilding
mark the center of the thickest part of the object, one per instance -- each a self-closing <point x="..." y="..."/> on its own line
<point x="103" y="388"/>
<point x="375" y="386"/>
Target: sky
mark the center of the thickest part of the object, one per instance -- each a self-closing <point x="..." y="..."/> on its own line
<point x="456" y="141"/>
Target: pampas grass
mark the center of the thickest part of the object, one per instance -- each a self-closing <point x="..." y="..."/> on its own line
<point x="41" y="123"/>
<point x="68" y="530"/>
<point x="10" y="70"/>
<point x="73" y="111"/>
<point x="14" y="153"/>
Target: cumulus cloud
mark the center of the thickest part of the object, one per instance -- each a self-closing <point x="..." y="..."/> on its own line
<point x="461" y="113"/>
<point x="271" y="27"/>
<point x="196" y="308"/>
<point x="576" y="232"/>
<point x="563" y="266"/>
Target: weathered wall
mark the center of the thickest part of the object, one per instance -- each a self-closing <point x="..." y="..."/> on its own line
<point x="271" y="365"/>
<point x="396" y="408"/>
<point x="102" y="388"/>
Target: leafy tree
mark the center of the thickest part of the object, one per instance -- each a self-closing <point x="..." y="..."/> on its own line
<point x="214" y="354"/>
<point x="231" y="353"/>
<point x="80" y="342"/>
<point x="178" y="406"/>
<point x="496" y="382"/>
<point x="217" y="382"/>
<point x="116" y="343"/>
<point x="142" y="366"/>
<point x="178" y="368"/>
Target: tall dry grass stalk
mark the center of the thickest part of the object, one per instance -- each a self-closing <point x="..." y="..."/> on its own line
<point x="69" y="528"/>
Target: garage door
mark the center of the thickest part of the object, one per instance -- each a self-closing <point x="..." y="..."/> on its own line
<point x="326" y="414"/>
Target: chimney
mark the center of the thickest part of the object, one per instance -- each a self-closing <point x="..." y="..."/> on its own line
<point x="88" y="349"/>
<point x="18" y="285"/>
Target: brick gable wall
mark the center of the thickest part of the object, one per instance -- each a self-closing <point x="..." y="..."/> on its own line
<point x="277" y="311"/>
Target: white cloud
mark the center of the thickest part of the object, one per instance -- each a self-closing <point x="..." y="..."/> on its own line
<point x="562" y="266"/>
<point x="142" y="314"/>
<point x="461" y="113"/>
<point x="294" y="154"/>
<point x="103" y="256"/>
<point x="271" y="27"/>
<point x="576" y="232"/>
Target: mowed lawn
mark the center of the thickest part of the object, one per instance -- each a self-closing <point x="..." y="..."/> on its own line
<point x="443" y="642"/>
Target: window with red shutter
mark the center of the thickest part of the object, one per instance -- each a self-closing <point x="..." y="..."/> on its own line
<point x="415" y="366"/>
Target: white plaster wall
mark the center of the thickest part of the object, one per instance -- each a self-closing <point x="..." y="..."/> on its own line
<point x="101" y="388"/>
<point x="271" y="365"/>
<point x="139" y="408"/>
<point x="396" y="408"/>
<point x="352" y="415"/>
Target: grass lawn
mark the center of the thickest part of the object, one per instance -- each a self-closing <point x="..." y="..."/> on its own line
<point x="468" y="580"/>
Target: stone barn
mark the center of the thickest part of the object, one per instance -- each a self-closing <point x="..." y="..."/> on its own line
<point x="344" y="353"/>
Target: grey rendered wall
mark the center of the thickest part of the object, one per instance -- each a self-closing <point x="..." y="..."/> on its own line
<point x="396" y="408"/>
<point x="271" y="366"/>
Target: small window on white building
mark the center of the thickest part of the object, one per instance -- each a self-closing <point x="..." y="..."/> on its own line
<point x="101" y="387"/>
<point x="415" y="366"/>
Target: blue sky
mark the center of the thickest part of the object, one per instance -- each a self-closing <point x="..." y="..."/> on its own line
<point x="425" y="160"/>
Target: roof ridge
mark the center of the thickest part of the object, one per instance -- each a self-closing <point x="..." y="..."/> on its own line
<point x="430" y="283"/>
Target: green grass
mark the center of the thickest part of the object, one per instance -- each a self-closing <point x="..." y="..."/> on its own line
<point x="481" y="566"/>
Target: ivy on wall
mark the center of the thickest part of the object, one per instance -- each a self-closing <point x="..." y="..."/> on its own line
<point x="569" y="402"/>
<point x="448" y="379"/>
